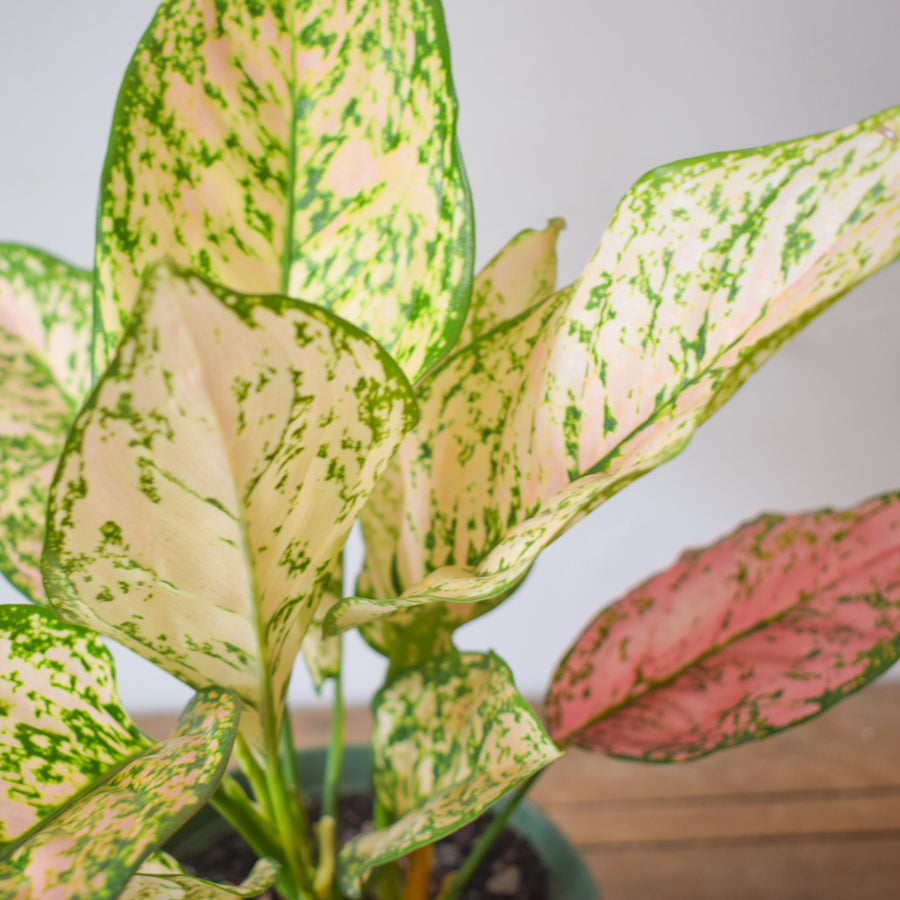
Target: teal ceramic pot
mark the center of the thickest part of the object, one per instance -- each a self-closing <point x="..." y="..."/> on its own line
<point x="569" y="876"/>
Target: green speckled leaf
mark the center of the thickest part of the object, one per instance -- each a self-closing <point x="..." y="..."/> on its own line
<point x="61" y="723"/>
<point x="88" y="848"/>
<point x="209" y="484"/>
<point x="301" y="149"/>
<point x="762" y="630"/>
<point x="708" y="266"/>
<point x="520" y="275"/>
<point x="45" y="333"/>
<point x="161" y="878"/>
<point x="322" y="652"/>
<point x="450" y="738"/>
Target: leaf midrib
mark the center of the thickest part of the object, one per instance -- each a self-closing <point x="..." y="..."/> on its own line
<point x="649" y="686"/>
<point x="287" y="251"/>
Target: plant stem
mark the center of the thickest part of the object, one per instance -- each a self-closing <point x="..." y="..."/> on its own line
<point x="255" y="775"/>
<point x="327" y="827"/>
<point x="419" y="872"/>
<point x="290" y="770"/>
<point x="386" y="882"/>
<point x="290" y="767"/>
<point x="233" y="804"/>
<point x="294" y="841"/>
<point x="486" y="841"/>
<point x="335" y="759"/>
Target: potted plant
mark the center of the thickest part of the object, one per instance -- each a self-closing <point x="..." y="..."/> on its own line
<point x="282" y="335"/>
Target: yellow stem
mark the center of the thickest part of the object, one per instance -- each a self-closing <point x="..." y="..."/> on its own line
<point x="419" y="873"/>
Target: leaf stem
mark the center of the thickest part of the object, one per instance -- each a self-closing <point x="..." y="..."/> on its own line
<point x="255" y="775"/>
<point x="290" y="768"/>
<point x="274" y="796"/>
<point x="285" y="813"/>
<point x="327" y="827"/>
<point x="486" y="841"/>
<point x="419" y="872"/>
<point x="233" y="804"/>
<point x="335" y="759"/>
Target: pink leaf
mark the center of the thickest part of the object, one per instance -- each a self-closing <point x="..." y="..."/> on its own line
<point x="769" y="627"/>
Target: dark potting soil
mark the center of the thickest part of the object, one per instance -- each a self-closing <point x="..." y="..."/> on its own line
<point x="510" y="870"/>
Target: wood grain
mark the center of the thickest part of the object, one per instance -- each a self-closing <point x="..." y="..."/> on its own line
<point x="812" y="813"/>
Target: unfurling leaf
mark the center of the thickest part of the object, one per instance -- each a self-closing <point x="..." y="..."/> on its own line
<point x="520" y="275"/>
<point x="45" y="335"/>
<point x="62" y="724"/>
<point x="767" y="628"/>
<point x="322" y="652"/>
<point x="88" y="848"/>
<point x="708" y="266"/>
<point x="161" y="878"/>
<point x="210" y="482"/>
<point x="450" y="738"/>
<point x="305" y="152"/>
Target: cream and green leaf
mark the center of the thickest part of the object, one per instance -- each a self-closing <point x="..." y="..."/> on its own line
<point x="208" y="486"/>
<point x="45" y="335"/>
<point x="62" y="724"/>
<point x="520" y="275"/>
<point x="307" y="151"/>
<point x="89" y="847"/>
<point x="322" y="652"/>
<point x="708" y="266"/>
<point x="161" y="878"/>
<point x="450" y="737"/>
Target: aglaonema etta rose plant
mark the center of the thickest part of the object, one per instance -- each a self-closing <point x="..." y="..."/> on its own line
<point x="282" y="336"/>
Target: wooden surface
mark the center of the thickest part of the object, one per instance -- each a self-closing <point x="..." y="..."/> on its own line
<point x="811" y="814"/>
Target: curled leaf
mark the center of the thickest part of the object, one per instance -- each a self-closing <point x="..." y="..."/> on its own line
<point x="450" y="738"/>
<point x="161" y="878"/>
<point x="322" y="652"/>
<point x="520" y="275"/>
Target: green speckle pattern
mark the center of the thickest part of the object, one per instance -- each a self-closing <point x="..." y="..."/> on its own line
<point x="89" y="847"/>
<point x="207" y="488"/>
<point x="669" y="318"/>
<point x="306" y="152"/>
<point x="161" y="878"/>
<point x="322" y="652"/>
<point x="520" y="275"/>
<point x="45" y="334"/>
<point x="451" y="737"/>
<point x="61" y="722"/>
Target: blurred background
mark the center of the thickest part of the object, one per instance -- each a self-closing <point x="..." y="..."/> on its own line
<point x="563" y="106"/>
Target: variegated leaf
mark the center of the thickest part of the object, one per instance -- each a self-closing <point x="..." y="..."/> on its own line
<point x="45" y="334"/>
<point x="304" y="151"/>
<point x="161" y="878"/>
<point x="211" y="480"/>
<point x="450" y="738"/>
<point x="89" y="847"/>
<point x="709" y="265"/>
<point x="763" y="630"/>
<point x="520" y="275"/>
<point x="322" y="652"/>
<point x="62" y="724"/>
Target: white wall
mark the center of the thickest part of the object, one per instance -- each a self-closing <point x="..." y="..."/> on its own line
<point x="564" y="104"/>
